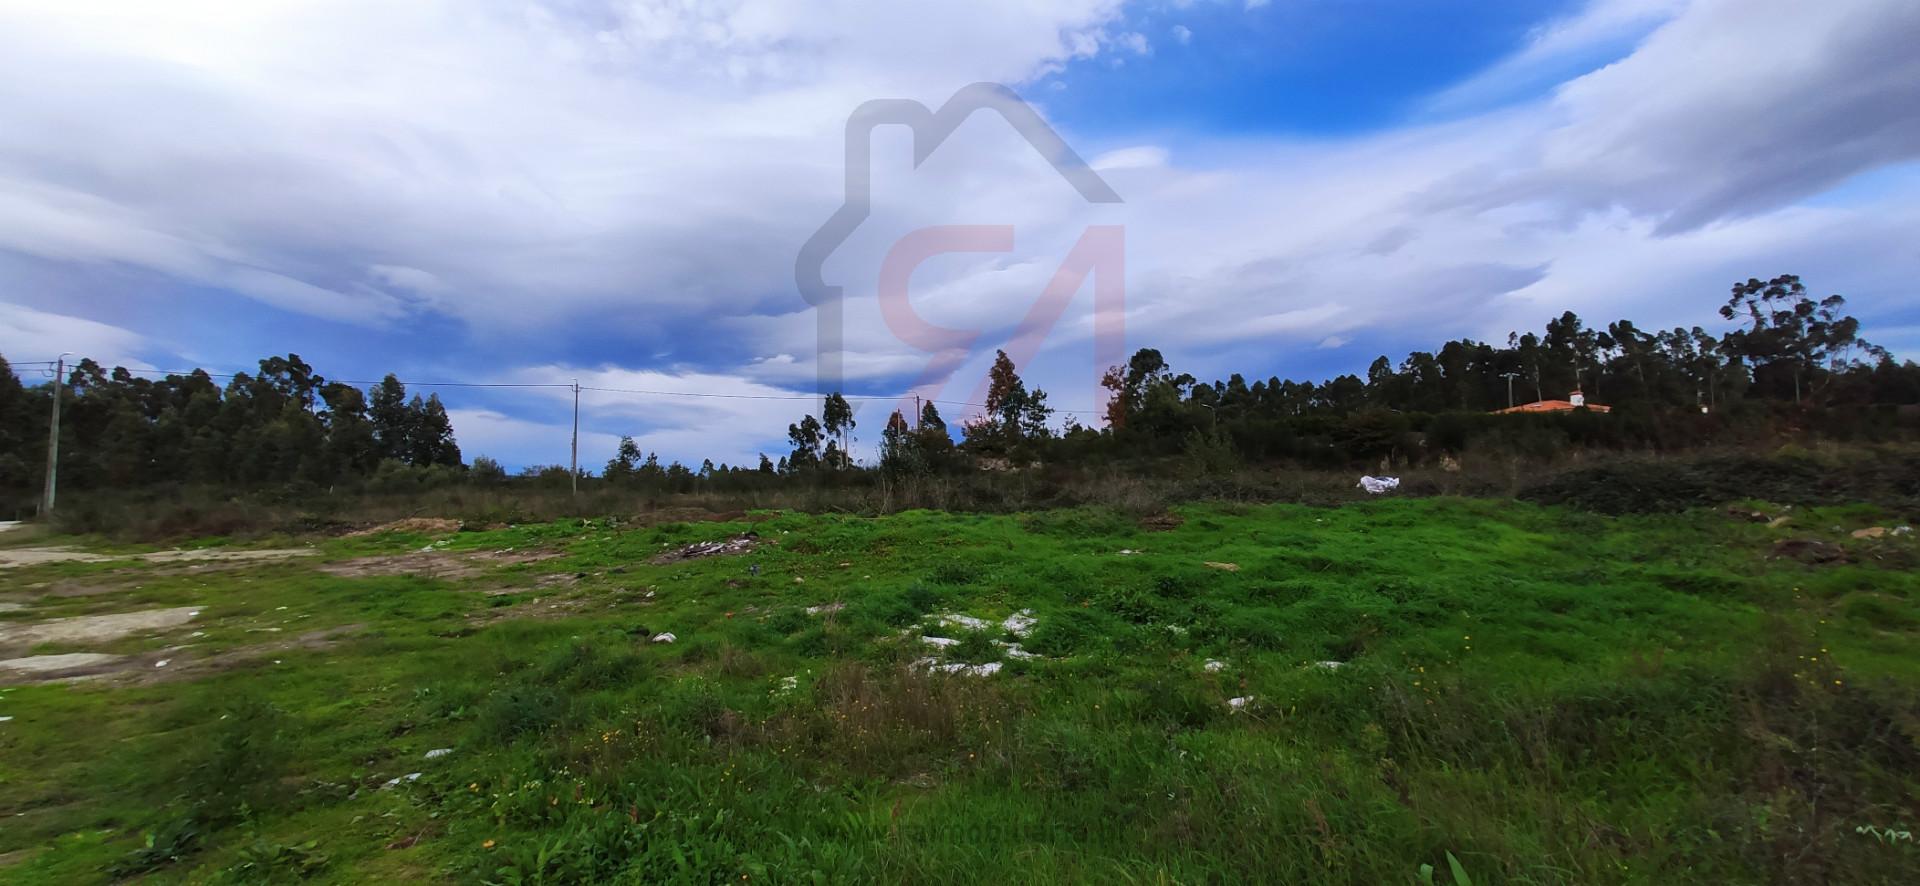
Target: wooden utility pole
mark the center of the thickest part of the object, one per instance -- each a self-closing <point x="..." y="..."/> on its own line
<point x="53" y="439"/>
<point x="574" y="463"/>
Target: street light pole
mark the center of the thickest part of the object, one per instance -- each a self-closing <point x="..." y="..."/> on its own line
<point x="53" y="439"/>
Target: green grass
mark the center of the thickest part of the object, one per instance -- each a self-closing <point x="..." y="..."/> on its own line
<point x="1550" y="696"/>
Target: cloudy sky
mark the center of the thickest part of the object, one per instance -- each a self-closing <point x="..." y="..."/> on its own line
<point x="617" y="190"/>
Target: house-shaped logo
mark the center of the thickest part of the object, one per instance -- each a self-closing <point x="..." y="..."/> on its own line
<point x="1100" y="247"/>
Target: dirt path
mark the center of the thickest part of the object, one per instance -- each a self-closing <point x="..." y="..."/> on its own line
<point x="14" y="557"/>
<point x="94" y="628"/>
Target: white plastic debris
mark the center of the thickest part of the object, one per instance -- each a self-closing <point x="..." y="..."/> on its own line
<point x="411" y="776"/>
<point x="664" y="637"/>
<point x="437" y="753"/>
<point x="1020" y="623"/>
<point x="1377" y="485"/>
<point x="1128" y="552"/>
<point x="5" y="719"/>
<point x="1214" y="666"/>
<point x="1330" y="665"/>
<point x="1240" y="704"/>
<point x="162" y="662"/>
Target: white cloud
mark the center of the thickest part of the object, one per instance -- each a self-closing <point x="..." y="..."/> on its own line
<point x="1182" y="34"/>
<point x="28" y="334"/>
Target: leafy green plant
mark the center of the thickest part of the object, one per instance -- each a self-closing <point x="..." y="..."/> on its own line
<point x="1459" y="872"/>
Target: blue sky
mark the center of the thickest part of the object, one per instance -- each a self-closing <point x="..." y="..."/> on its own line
<point x="617" y="191"/>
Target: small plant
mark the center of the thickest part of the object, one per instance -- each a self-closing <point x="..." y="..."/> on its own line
<point x="164" y="845"/>
<point x="264" y="861"/>
<point x="1459" y="872"/>
<point x="1888" y="836"/>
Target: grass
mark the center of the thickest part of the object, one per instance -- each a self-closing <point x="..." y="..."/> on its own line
<point x="1537" y="694"/>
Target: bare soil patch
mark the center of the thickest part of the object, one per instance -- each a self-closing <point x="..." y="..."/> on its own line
<point x="435" y="564"/>
<point x="16" y="557"/>
<point x="159" y="665"/>
<point x="94" y="628"/>
<point x="418" y="525"/>
<point x="1161" y="522"/>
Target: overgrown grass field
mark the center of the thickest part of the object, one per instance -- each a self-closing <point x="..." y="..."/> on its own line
<point x="1222" y="693"/>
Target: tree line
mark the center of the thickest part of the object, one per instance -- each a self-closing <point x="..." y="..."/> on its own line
<point x="284" y="425"/>
<point x="1786" y="356"/>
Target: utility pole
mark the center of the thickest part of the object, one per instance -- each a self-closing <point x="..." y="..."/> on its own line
<point x="1509" y="376"/>
<point x="916" y="412"/>
<point x="53" y="438"/>
<point x="574" y="464"/>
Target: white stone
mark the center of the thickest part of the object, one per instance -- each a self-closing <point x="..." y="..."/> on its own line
<point x="965" y="622"/>
<point x="1215" y="666"/>
<point x="1020" y="623"/>
<point x="437" y="753"/>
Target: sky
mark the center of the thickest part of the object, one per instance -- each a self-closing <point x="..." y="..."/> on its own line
<point x="618" y="191"/>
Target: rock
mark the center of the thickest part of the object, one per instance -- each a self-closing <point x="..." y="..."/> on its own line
<point x="1020" y="624"/>
<point x="942" y="642"/>
<point x="162" y="663"/>
<point x="1778" y="522"/>
<point x="1128" y="552"/>
<point x="964" y="622"/>
<point x="1013" y="650"/>
<point x="664" y="638"/>
<point x="1871" y="532"/>
<point x="1240" y="704"/>
<point x="826" y="608"/>
<point x="969" y="670"/>
<point x="1330" y="665"/>
<point x="1214" y="666"/>
<point x="1224" y="567"/>
<point x="437" y="753"/>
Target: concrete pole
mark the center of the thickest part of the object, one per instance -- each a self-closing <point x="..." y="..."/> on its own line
<point x="575" y="465"/>
<point x="53" y="439"/>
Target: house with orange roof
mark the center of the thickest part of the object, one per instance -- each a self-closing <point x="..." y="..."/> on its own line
<point x="1575" y="400"/>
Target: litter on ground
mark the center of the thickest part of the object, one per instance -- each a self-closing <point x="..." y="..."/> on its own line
<point x="1377" y="485"/>
<point x="697" y="550"/>
<point x="664" y="638"/>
